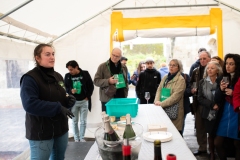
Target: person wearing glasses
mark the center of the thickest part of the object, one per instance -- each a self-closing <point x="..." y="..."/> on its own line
<point x="107" y="74"/>
<point x="174" y="82"/>
<point x="148" y="82"/>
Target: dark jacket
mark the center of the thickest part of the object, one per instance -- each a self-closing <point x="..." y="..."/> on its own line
<point x="187" y="94"/>
<point x="194" y="65"/>
<point x="134" y="81"/>
<point x="149" y="81"/>
<point x="196" y="77"/>
<point x="42" y="96"/>
<point x="87" y="85"/>
<point x="101" y="80"/>
<point x="207" y="105"/>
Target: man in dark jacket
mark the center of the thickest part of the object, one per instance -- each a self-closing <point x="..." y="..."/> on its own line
<point x="197" y="75"/>
<point x="197" y="63"/>
<point x="79" y="83"/>
<point x="149" y="81"/>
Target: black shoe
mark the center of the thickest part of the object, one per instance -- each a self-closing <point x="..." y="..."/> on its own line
<point x="199" y="152"/>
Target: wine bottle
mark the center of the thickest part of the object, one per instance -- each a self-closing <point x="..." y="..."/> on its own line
<point x="157" y="150"/>
<point x="109" y="133"/>
<point x="171" y="157"/>
<point x="128" y="132"/>
<point x="126" y="150"/>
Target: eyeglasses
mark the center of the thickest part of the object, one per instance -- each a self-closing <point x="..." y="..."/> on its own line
<point x="115" y="56"/>
<point x="172" y="65"/>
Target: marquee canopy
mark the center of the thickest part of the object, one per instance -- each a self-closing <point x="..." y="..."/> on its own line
<point x="44" y="21"/>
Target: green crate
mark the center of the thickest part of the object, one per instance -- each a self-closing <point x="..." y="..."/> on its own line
<point x="121" y="106"/>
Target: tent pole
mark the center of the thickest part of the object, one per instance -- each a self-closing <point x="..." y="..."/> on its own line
<point x="15" y="9"/>
<point x="232" y="7"/>
<point x="86" y="21"/>
<point x="151" y="7"/>
<point x="18" y="38"/>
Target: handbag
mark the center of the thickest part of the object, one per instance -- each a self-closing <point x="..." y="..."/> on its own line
<point x="110" y="91"/>
<point x="172" y="111"/>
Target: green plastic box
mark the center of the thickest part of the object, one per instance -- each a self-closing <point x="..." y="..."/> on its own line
<point x="121" y="106"/>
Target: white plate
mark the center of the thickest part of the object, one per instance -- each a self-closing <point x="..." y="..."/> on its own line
<point x="161" y="135"/>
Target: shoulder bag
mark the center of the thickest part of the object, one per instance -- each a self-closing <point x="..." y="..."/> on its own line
<point x="171" y="111"/>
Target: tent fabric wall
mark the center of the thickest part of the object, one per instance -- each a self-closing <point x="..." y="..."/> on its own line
<point x="89" y="44"/>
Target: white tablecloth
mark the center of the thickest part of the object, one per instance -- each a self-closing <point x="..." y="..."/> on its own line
<point x="151" y="114"/>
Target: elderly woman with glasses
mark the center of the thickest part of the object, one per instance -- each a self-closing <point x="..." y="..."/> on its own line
<point x="175" y="83"/>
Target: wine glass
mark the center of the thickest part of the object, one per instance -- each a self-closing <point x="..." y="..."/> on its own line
<point x="147" y="96"/>
<point x="116" y="77"/>
<point x="225" y="80"/>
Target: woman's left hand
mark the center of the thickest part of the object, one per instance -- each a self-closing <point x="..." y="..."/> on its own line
<point x="157" y="103"/>
<point x="228" y="91"/>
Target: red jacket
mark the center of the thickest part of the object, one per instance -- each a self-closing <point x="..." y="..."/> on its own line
<point x="236" y="96"/>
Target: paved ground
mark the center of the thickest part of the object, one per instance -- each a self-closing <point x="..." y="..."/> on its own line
<point x="13" y="142"/>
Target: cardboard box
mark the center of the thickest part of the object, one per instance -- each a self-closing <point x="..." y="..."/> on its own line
<point x="156" y="127"/>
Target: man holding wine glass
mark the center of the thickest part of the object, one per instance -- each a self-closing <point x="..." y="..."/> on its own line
<point x="148" y="83"/>
<point x="106" y="75"/>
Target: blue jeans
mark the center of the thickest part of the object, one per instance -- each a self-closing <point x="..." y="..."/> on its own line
<point x="54" y="148"/>
<point x="82" y="107"/>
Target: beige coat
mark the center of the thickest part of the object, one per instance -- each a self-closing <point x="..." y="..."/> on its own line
<point x="101" y="80"/>
<point x="178" y="86"/>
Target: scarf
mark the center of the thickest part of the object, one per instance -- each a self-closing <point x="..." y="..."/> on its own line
<point x="115" y="69"/>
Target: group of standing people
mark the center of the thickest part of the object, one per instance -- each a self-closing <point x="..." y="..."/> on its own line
<point x="49" y="100"/>
<point x="216" y="104"/>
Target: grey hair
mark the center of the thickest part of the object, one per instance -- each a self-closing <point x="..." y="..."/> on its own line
<point x="179" y="63"/>
<point x="119" y="49"/>
<point x="219" y="68"/>
<point x="209" y="55"/>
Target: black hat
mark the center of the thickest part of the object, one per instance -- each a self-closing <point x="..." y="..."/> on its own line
<point x="124" y="58"/>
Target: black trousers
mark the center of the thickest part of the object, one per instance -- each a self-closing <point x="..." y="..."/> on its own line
<point x="103" y="106"/>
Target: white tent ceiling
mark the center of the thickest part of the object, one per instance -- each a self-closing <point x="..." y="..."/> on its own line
<point x="42" y="21"/>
